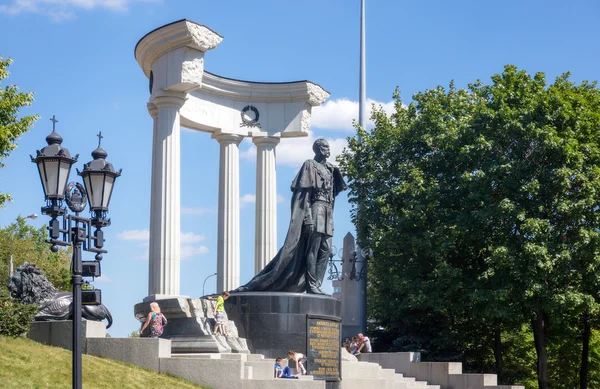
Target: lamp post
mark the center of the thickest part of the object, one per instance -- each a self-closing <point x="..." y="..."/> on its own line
<point x="204" y="283"/>
<point x="54" y="165"/>
<point x="11" y="268"/>
<point x="336" y="274"/>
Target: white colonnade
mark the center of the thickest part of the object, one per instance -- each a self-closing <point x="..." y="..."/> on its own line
<point x="182" y="93"/>
<point x="265" y="238"/>
<point x="228" y="229"/>
<point x="165" y="197"/>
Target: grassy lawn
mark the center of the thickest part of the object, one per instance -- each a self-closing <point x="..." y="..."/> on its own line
<point x="27" y="364"/>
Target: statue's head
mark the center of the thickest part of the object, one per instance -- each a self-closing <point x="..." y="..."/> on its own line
<point x="29" y="285"/>
<point x="321" y="148"/>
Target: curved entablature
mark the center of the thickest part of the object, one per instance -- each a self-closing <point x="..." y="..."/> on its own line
<point x="252" y="91"/>
<point x="182" y="33"/>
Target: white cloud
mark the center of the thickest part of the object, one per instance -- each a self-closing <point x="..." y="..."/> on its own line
<point x="144" y="235"/>
<point x="134" y="235"/>
<point x="246" y="199"/>
<point x="294" y="151"/>
<point x="190" y="237"/>
<point x="340" y="113"/>
<point x="61" y="10"/>
<point x="188" y="251"/>
<point x="251" y="199"/>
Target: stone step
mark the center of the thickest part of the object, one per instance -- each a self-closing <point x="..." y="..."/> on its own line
<point x="284" y="383"/>
<point x="472" y="380"/>
<point x="261" y="370"/>
<point x="255" y="357"/>
<point x="362" y="383"/>
<point x="404" y="379"/>
<point x="504" y="387"/>
<point x="237" y="357"/>
<point x="352" y="370"/>
<point x="399" y="385"/>
<point x="197" y="356"/>
<point x="387" y="374"/>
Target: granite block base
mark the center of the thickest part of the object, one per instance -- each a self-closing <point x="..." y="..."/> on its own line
<point x="274" y="322"/>
<point x="59" y="333"/>
<point x="190" y="326"/>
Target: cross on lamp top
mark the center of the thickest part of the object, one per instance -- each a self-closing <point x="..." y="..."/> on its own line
<point x="54" y="121"/>
<point x="99" y="137"/>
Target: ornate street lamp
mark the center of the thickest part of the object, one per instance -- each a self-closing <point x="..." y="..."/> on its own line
<point x="336" y="274"/>
<point x="99" y="178"/>
<point x="54" y="165"/>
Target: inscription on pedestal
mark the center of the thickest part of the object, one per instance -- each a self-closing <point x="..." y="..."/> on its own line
<point x="323" y="345"/>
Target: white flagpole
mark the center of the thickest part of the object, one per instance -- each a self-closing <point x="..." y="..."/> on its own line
<point x="362" y="89"/>
<point x="362" y="121"/>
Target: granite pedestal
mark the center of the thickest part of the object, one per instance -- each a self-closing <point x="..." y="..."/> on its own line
<point x="274" y="322"/>
<point x="190" y="326"/>
<point x="59" y="333"/>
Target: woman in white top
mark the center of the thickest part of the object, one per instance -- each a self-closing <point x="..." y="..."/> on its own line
<point x="300" y="360"/>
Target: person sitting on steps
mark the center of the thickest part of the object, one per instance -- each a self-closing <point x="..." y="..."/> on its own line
<point x="282" y="372"/>
<point x="364" y="345"/>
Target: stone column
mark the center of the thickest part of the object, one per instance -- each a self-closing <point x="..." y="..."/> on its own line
<point x="163" y="277"/>
<point x="228" y="234"/>
<point x="265" y="236"/>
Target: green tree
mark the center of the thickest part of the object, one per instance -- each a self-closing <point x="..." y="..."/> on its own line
<point x="481" y="206"/>
<point x="11" y="126"/>
<point x="26" y="243"/>
<point x="15" y="317"/>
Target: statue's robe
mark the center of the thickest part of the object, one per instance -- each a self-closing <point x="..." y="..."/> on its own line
<point x="286" y="272"/>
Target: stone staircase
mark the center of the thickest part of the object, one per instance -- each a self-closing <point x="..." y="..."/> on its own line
<point x="256" y="371"/>
<point x="235" y="370"/>
<point x="358" y="375"/>
<point x="448" y="375"/>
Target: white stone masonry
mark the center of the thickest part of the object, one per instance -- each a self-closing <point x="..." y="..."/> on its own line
<point x="165" y="199"/>
<point x="228" y="239"/>
<point x="265" y="239"/>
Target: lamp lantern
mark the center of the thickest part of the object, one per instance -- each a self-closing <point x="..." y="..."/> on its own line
<point x="54" y="165"/>
<point x="99" y="177"/>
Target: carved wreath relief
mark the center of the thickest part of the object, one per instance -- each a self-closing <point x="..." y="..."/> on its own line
<point x="250" y="117"/>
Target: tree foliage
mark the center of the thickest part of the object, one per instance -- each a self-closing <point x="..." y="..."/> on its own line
<point x="15" y="317"/>
<point x="481" y="206"/>
<point x="11" y="126"/>
<point x="28" y="244"/>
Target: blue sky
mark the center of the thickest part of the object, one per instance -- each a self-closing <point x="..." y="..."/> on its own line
<point x="77" y="56"/>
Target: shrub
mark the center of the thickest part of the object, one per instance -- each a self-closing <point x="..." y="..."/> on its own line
<point x="15" y="317"/>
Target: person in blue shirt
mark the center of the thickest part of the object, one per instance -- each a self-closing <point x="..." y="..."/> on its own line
<point x="282" y="372"/>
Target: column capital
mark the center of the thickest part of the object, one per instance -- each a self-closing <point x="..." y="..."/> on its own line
<point x="152" y="110"/>
<point x="169" y="99"/>
<point x="265" y="140"/>
<point x="227" y="138"/>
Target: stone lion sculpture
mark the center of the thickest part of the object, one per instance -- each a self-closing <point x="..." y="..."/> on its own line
<point x="30" y="286"/>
